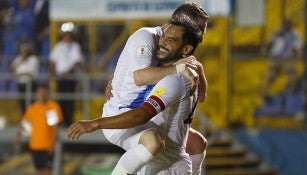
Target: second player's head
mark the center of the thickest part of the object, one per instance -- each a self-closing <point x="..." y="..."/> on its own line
<point x="194" y="12"/>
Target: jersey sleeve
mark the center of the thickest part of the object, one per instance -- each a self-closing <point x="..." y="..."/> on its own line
<point x="141" y="48"/>
<point x="27" y="115"/>
<point x="166" y="92"/>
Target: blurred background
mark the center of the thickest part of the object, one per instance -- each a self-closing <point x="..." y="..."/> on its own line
<point x="254" y="117"/>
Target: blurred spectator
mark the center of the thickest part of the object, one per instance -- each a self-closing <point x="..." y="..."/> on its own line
<point x="65" y="58"/>
<point x="4" y="10"/>
<point x="9" y="36"/>
<point x="282" y="47"/>
<point x="19" y="24"/>
<point x="24" y="20"/>
<point x="41" y="11"/>
<point x="41" y="121"/>
<point x="4" y="6"/>
<point x="44" y="42"/>
<point x="25" y="67"/>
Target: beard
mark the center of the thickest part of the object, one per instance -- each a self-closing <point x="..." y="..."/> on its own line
<point x="170" y="56"/>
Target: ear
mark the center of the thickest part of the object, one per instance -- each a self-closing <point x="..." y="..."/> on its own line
<point x="187" y="49"/>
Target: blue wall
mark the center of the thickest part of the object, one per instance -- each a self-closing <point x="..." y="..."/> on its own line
<point x="286" y="150"/>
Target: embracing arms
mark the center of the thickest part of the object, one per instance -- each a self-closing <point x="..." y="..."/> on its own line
<point x="127" y="119"/>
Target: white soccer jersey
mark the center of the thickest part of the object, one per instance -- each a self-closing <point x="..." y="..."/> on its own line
<point x="171" y="95"/>
<point x="65" y="56"/>
<point x="138" y="53"/>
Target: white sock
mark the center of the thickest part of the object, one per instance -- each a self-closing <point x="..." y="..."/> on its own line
<point x="132" y="161"/>
<point x="197" y="161"/>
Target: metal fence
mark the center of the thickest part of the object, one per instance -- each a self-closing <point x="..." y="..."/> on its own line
<point x="91" y="87"/>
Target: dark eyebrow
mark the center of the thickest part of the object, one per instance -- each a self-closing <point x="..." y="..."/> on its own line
<point x="171" y="38"/>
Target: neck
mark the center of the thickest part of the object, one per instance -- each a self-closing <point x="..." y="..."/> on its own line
<point x="42" y="101"/>
<point x="172" y="61"/>
<point x="168" y="63"/>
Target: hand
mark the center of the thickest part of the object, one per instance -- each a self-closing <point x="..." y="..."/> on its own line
<point x="191" y="75"/>
<point x="78" y="128"/>
<point x="185" y="60"/>
<point x="195" y="65"/>
<point x="192" y="63"/>
<point x="203" y="84"/>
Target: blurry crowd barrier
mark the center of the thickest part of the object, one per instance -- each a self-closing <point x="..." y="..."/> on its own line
<point x="88" y="96"/>
<point x="246" y="76"/>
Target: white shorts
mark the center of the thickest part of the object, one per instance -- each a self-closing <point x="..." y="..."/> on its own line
<point x="124" y="138"/>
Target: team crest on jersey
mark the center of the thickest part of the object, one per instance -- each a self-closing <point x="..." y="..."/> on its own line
<point x="142" y="51"/>
<point x="158" y="92"/>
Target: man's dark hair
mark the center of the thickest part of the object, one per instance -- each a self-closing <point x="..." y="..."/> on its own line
<point x="192" y="35"/>
<point x="194" y="12"/>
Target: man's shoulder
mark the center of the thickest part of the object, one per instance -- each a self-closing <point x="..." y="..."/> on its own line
<point x="175" y="80"/>
<point x="174" y="77"/>
<point x="53" y="103"/>
<point x="58" y="47"/>
<point x="149" y="30"/>
<point x="33" y="106"/>
<point x="145" y="32"/>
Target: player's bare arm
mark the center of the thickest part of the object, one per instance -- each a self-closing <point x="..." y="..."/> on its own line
<point x="151" y="75"/>
<point x="125" y="120"/>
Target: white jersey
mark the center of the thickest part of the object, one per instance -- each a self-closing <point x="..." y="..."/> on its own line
<point x="172" y="97"/>
<point x="138" y="53"/>
<point x="65" y="56"/>
<point x="26" y="69"/>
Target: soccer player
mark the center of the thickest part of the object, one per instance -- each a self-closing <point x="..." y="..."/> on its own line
<point x="172" y="95"/>
<point x="43" y="116"/>
<point x="137" y="68"/>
